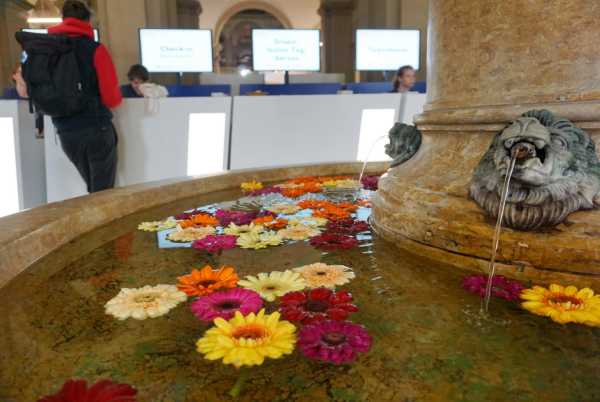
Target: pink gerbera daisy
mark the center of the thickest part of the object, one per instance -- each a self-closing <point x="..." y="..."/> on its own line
<point x="225" y="304"/>
<point x="337" y="342"/>
<point x="215" y="244"/>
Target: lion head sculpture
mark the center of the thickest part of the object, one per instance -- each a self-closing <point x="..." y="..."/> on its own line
<point x="556" y="172"/>
<point x="405" y="141"/>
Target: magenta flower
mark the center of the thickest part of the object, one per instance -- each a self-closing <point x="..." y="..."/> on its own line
<point x="184" y="216"/>
<point x="502" y="287"/>
<point x="333" y="241"/>
<point x="265" y="191"/>
<point x="215" y="244"/>
<point x="239" y="218"/>
<point x="225" y="304"/>
<point x="370" y="182"/>
<point x="337" y="342"/>
<point x="347" y="227"/>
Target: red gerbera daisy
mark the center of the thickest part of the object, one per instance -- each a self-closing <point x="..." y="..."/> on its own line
<point x="333" y="241"/>
<point x="347" y="227"/>
<point x="316" y="305"/>
<point x="102" y="391"/>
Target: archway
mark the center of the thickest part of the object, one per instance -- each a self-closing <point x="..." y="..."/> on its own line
<point x="233" y="32"/>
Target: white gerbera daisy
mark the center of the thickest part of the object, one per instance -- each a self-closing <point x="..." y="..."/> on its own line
<point x="273" y="285"/>
<point x="146" y="302"/>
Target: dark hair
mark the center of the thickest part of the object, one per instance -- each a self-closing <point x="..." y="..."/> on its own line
<point x="138" y="71"/>
<point x="76" y="9"/>
<point x="400" y="74"/>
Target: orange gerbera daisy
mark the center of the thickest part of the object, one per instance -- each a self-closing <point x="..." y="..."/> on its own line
<point x="277" y="224"/>
<point x="332" y="214"/>
<point x="263" y="219"/>
<point x="347" y="206"/>
<point x="207" y="280"/>
<point x="199" y="220"/>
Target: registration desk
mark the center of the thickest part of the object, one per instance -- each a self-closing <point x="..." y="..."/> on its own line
<point x="177" y="137"/>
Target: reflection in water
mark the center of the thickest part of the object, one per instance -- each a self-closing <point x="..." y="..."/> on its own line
<point x="425" y="347"/>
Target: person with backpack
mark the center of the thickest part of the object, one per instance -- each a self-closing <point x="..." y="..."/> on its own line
<point x="72" y="78"/>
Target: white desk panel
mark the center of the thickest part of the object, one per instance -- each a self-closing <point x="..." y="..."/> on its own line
<point x="272" y="131"/>
<point x="154" y="143"/>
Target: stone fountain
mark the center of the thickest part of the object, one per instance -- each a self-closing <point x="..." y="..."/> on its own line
<point x="501" y="76"/>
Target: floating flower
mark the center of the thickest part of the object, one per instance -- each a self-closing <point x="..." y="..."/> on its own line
<point x="284" y="209"/>
<point x="224" y="304"/>
<point x="235" y="230"/>
<point x="248" y="340"/>
<point x="102" y="391"/>
<point x="251" y="186"/>
<point x="332" y="241"/>
<point x="239" y="218"/>
<point x="199" y="220"/>
<point x="215" y="244"/>
<point x="188" y="215"/>
<point x="502" y="287"/>
<point x="301" y="190"/>
<point x="299" y="232"/>
<point x="261" y="220"/>
<point x="342" y="184"/>
<point x="265" y="191"/>
<point x="314" y="221"/>
<point x="370" y="182"/>
<point x="277" y="224"/>
<point x="316" y="305"/>
<point x="190" y="234"/>
<point x="207" y="280"/>
<point x="146" y="302"/>
<point x="157" y="226"/>
<point x="271" y="286"/>
<point x="563" y="304"/>
<point x="337" y="342"/>
<point x="322" y="275"/>
<point x="257" y="242"/>
<point x="347" y="227"/>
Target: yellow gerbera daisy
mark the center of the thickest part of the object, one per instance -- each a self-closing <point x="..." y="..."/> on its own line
<point x="346" y="184"/>
<point x="247" y="341"/>
<point x="190" y="234"/>
<point x="563" y="304"/>
<point x="235" y="230"/>
<point x="299" y="232"/>
<point x="271" y="286"/>
<point x="314" y="221"/>
<point x="257" y="242"/>
<point x="322" y="275"/>
<point x="285" y="209"/>
<point x="251" y="186"/>
<point x="157" y="226"/>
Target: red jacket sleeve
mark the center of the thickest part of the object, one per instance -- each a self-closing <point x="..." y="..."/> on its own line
<point x="110" y="93"/>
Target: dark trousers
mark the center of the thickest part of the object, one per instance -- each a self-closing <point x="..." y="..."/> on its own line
<point x="93" y="151"/>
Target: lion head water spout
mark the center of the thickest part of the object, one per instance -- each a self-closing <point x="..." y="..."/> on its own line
<point x="557" y="172"/>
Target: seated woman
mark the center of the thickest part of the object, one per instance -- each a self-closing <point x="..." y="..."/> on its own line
<point x="140" y="86"/>
<point x="405" y="79"/>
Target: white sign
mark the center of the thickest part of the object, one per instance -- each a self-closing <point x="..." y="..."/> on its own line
<point x="286" y="49"/>
<point x="387" y="49"/>
<point x="176" y="50"/>
<point x="45" y="31"/>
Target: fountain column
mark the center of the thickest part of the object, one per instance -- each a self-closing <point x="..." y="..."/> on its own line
<point x="488" y="62"/>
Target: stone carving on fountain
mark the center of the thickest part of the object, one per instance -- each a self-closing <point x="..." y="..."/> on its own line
<point x="557" y="173"/>
<point x="405" y="141"/>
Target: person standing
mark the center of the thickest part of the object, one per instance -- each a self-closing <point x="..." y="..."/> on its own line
<point x="88" y="137"/>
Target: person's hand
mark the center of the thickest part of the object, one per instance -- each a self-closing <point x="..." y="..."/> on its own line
<point x="20" y="84"/>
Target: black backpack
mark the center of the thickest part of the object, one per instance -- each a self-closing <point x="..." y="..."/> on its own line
<point x="53" y="75"/>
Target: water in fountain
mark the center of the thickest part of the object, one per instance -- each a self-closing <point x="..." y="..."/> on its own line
<point x="497" y="231"/>
<point x="364" y="167"/>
